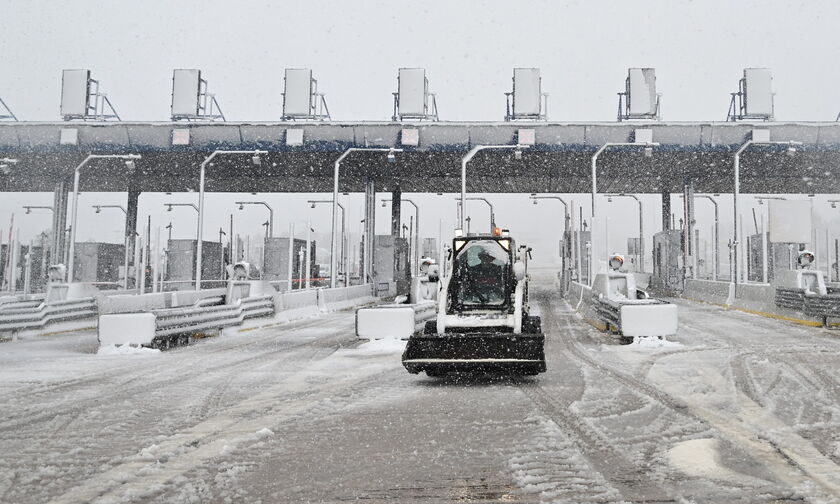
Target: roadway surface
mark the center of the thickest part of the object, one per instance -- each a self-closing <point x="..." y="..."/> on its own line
<point x="735" y="408"/>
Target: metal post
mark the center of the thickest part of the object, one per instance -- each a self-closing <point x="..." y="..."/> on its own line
<point x="27" y="270"/>
<point x="764" y="259"/>
<point x="156" y="264"/>
<point x="291" y="254"/>
<point x="308" y="256"/>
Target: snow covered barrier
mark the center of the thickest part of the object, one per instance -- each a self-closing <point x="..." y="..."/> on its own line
<point x="396" y="321"/>
<point x="620" y="305"/>
<point x="126" y="329"/>
<point x="297" y="304"/>
<point x="342" y="298"/>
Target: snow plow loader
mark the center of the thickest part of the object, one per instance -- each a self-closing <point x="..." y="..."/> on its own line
<point x="483" y="322"/>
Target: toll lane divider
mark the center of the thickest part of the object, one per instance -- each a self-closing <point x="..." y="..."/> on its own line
<point x="164" y="328"/>
<point x="780" y="303"/>
<point x="17" y="318"/>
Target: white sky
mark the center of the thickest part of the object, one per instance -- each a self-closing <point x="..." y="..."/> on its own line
<point x="468" y="48"/>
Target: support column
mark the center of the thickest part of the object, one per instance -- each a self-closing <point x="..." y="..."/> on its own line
<point x="370" y="231"/>
<point x="131" y="218"/>
<point x="59" y="223"/>
<point x="666" y="210"/>
<point x="690" y="248"/>
<point x="396" y="204"/>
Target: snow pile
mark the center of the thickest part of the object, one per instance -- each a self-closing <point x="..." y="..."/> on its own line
<point x="256" y="439"/>
<point x="125" y="350"/>
<point x="654" y="342"/>
<point x="382" y="346"/>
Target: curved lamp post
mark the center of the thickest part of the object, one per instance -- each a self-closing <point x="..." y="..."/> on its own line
<point x="270" y="213"/>
<point x="735" y="197"/>
<point x="466" y="159"/>
<point x="125" y="260"/>
<point x="641" y="227"/>
<point x="492" y="210"/>
<point x="416" y="261"/>
<point x="129" y="162"/>
<point x="392" y="158"/>
<point x="333" y="273"/>
<point x="593" y="254"/>
<point x="255" y="159"/>
<point x="565" y="225"/>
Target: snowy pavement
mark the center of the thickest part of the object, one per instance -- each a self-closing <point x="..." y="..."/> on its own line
<point x="735" y="408"/>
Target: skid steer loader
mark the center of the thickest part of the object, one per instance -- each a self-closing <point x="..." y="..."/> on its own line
<point x="483" y="322"/>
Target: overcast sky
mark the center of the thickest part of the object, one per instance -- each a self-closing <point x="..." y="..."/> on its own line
<point x="468" y="48"/>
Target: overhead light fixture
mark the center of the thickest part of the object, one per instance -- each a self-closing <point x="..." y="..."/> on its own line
<point x="517" y="154"/>
<point x="392" y="158"/>
<point x="130" y="165"/>
<point x="256" y="160"/>
<point x="648" y="152"/>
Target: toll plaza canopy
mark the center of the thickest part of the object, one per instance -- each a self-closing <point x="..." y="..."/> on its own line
<point x="301" y="156"/>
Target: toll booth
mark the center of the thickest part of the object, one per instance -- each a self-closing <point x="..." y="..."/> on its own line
<point x="668" y="273"/>
<point x="180" y="264"/>
<point x="98" y="262"/>
<point x="391" y="271"/>
<point x="276" y="261"/>
<point x="780" y="257"/>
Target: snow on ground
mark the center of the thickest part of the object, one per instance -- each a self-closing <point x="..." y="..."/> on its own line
<point x="126" y="350"/>
<point x="733" y="408"/>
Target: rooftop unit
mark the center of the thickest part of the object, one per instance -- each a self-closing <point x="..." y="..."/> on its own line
<point x="190" y="99"/>
<point x="301" y="99"/>
<point x="413" y="99"/>
<point x="754" y="98"/>
<point x="81" y="98"/>
<point x="639" y="99"/>
<point x="526" y="101"/>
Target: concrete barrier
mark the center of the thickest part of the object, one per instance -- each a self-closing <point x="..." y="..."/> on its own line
<point x="758" y="299"/>
<point x="128" y="303"/>
<point x="342" y="298"/>
<point x="396" y="321"/>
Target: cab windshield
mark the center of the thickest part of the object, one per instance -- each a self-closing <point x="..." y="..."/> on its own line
<point x="483" y="268"/>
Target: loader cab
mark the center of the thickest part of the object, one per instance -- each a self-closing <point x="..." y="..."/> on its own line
<point x="482" y="274"/>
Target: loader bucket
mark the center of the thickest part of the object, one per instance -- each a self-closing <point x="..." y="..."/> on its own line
<point x="495" y="352"/>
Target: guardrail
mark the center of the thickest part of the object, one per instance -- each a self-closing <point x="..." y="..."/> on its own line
<point x="16" y="319"/>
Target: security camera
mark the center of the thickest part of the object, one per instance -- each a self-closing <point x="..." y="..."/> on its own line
<point x="535" y="201"/>
<point x="241" y="206"/>
<point x="392" y="158"/>
<point x="517" y="154"/>
<point x="29" y="210"/>
<point x="383" y="203"/>
<point x="312" y="205"/>
<point x="791" y="151"/>
<point x="98" y="209"/>
<point x="648" y="152"/>
<point x="168" y="208"/>
<point x="256" y="160"/>
<point x="130" y="164"/>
